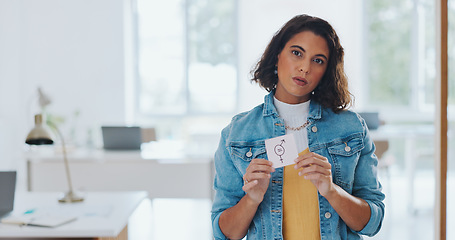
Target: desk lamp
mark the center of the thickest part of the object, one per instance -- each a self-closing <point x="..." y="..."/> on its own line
<point x="39" y="136"/>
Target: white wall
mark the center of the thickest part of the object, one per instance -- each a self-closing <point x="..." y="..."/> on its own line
<point x="74" y="50"/>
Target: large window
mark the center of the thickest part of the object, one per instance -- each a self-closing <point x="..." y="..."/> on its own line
<point x="400" y="51"/>
<point x="401" y="56"/>
<point x="187" y="66"/>
<point x="187" y="57"/>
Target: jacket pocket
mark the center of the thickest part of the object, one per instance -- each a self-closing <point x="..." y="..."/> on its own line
<point x="243" y="152"/>
<point x="345" y="154"/>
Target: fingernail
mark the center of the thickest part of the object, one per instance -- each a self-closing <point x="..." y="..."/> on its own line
<point x="300" y="174"/>
<point x="295" y="167"/>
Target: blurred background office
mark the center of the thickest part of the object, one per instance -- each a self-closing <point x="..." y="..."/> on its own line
<point x="183" y="68"/>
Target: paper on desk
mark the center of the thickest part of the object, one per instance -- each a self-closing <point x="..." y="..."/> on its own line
<point x="40" y="221"/>
<point x="54" y="216"/>
<point x="282" y="150"/>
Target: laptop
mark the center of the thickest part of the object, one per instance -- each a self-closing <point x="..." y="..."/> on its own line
<point x="7" y="191"/>
<point x="371" y="119"/>
<point x="121" y="137"/>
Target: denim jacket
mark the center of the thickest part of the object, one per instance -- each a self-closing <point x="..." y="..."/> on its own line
<point x="343" y="138"/>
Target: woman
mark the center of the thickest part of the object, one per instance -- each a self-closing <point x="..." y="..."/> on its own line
<point x="332" y="191"/>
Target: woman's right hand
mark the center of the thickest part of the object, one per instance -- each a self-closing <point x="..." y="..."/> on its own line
<point x="257" y="178"/>
<point x="235" y="221"/>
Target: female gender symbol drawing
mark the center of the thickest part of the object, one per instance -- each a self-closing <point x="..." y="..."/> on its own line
<point x="279" y="150"/>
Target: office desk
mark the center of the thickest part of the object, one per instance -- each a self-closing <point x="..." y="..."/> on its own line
<point x="102" y="215"/>
<point x="163" y="174"/>
<point x="410" y="134"/>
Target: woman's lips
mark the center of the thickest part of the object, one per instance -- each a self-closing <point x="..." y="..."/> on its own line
<point x="300" y="81"/>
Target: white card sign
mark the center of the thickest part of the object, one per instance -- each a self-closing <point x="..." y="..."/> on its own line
<point x="282" y="150"/>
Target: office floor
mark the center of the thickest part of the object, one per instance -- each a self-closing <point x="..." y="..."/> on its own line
<point x="189" y="219"/>
<point x="417" y="224"/>
<point x="164" y="219"/>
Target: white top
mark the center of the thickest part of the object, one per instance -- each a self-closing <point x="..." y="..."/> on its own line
<point x="295" y="115"/>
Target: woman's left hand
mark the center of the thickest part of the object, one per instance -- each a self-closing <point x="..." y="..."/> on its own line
<point x="317" y="169"/>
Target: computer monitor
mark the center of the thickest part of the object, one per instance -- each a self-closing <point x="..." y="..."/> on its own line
<point x="372" y="119"/>
<point x="121" y="137"/>
<point x="7" y="191"/>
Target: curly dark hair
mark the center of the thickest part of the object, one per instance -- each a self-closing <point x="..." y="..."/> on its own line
<point x="332" y="91"/>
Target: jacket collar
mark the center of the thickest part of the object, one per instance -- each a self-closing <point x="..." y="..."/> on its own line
<point x="270" y="109"/>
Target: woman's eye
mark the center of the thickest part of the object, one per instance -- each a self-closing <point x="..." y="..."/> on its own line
<point x="318" y="61"/>
<point x="296" y="53"/>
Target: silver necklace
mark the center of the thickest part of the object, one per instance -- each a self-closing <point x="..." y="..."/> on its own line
<point x="299" y="127"/>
